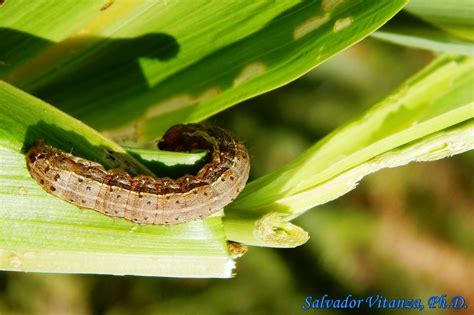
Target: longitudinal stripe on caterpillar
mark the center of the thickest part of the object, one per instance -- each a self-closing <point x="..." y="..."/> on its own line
<point x="144" y="199"/>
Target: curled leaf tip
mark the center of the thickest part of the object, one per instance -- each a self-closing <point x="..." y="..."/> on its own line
<point x="272" y="229"/>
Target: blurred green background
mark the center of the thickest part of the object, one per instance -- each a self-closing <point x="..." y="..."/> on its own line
<point x="404" y="232"/>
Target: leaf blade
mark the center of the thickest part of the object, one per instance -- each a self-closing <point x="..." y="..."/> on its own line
<point x="261" y="48"/>
<point x="43" y="233"/>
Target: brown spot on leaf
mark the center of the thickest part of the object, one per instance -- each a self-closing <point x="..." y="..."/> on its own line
<point x="106" y="5"/>
<point x="236" y="249"/>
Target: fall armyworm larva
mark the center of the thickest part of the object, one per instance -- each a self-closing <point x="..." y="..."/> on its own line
<point x="144" y="199"/>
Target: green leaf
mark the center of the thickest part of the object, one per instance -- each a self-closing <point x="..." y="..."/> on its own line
<point x="180" y="61"/>
<point x="409" y="31"/>
<point x="133" y="68"/>
<point x="40" y="232"/>
<point x="169" y="164"/>
<point x="454" y="16"/>
<point x="426" y="118"/>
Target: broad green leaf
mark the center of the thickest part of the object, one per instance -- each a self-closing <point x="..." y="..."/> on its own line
<point x="40" y="232"/>
<point x="409" y="31"/>
<point x="454" y="16"/>
<point x="141" y="66"/>
<point x="411" y="124"/>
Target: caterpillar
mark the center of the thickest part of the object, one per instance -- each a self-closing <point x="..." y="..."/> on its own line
<point x="144" y="199"/>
